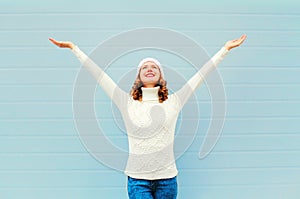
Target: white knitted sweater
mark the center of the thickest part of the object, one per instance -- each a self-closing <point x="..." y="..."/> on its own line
<point x="150" y="125"/>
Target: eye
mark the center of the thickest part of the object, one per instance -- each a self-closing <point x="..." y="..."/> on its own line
<point x="154" y="67"/>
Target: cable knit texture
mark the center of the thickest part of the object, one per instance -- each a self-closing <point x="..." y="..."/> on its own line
<point x="150" y="125"/>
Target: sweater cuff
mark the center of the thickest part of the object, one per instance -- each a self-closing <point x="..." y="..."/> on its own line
<point x="224" y="51"/>
<point x="75" y="50"/>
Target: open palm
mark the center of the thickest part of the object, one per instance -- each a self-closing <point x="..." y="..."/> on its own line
<point x="235" y="43"/>
<point x="62" y="44"/>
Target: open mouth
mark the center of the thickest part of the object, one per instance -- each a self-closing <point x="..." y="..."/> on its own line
<point x="150" y="75"/>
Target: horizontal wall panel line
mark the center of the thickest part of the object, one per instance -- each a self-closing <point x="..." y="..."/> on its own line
<point x="252" y="47"/>
<point x="102" y="101"/>
<point x="78" y="66"/>
<point x="182" y="187"/>
<point x="187" y="13"/>
<point x="132" y="27"/>
<point x="62" y="188"/>
<point x="71" y="85"/>
<point x="43" y="47"/>
<point x="117" y="31"/>
<point x="195" y="152"/>
<point x="78" y="171"/>
<point x="89" y="187"/>
<point x="253" y="116"/>
<point x="237" y="84"/>
<point x="165" y="13"/>
<point x="245" y="46"/>
<point x="295" y="168"/>
<point x="113" y="136"/>
<point x="109" y="102"/>
<point x="225" y="134"/>
<point x="275" y="119"/>
<point x="244" y="185"/>
<point x="80" y="154"/>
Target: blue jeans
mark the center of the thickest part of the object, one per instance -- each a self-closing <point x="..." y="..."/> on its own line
<point x="152" y="189"/>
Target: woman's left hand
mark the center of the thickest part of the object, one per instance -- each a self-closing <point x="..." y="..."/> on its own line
<point x="62" y="44"/>
<point x="235" y="43"/>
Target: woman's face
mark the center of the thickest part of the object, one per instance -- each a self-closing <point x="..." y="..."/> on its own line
<point x="149" y="74"/>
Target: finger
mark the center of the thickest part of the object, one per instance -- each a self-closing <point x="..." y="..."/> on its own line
<point x="52" y="40"/>
<point x="243" y="37"/>
<point x="241" y="40"/>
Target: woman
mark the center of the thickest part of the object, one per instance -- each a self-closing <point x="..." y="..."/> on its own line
<point x="150" y="116"/>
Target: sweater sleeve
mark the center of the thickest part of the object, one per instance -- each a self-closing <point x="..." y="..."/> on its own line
<point x="195" y="81"/>
<point x="104" y="80"/>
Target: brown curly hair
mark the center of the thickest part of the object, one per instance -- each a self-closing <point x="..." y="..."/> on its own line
<point x="136" y="90"/>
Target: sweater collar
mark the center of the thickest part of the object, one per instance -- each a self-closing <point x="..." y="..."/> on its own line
<point x="150" y="94"/>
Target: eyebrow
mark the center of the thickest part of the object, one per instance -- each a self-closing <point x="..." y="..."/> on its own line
<point x="150" y="65"/>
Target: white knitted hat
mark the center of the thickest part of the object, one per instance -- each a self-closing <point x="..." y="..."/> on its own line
<point x="151" y="60"/>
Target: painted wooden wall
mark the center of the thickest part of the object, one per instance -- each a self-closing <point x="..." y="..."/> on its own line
<point x="258" y="153"/>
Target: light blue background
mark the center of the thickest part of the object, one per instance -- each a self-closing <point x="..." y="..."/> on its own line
<point x="258" y="154"/>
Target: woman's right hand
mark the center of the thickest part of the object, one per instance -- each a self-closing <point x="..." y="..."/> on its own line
<point x="62" y="44"/>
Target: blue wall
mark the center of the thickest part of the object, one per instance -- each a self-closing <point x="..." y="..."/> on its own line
<point x="258" y="153"/>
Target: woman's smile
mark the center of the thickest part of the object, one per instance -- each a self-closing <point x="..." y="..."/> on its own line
<point x="150" y="74"/>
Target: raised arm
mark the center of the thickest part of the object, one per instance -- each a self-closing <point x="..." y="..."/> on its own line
<point x="187" y="90"/>
<point x="107" y="84"/>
